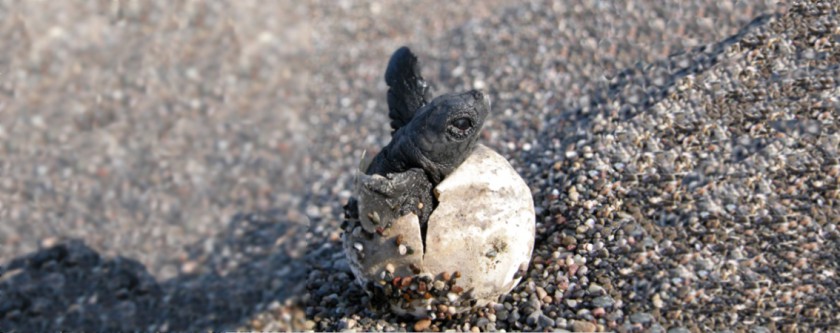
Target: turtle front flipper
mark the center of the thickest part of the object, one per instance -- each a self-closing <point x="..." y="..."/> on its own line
<point x="401" y="193"/>
<point x="408" y="91"/>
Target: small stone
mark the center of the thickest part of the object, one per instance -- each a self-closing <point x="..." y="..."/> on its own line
<point x="569" y="240"/>
<point x="514" y="316"/>
<point x="482" y="322"/>
<point x="603" y="302"/>
<point x="502" y="315"/>
<point x="422" y="324"/>
<point x="572" y="303"/>
<point x="346" y="323"/>
<point x="389" y="268"/>
<point x="533" y="318"/>
<point x="595" y="289"/>
<point x="189" y="267"/>
<point x="374" y="217"/>
<point x="641" y="318"/>
<point x="545" y="321"/>
<point x="583" y="326"/>
<point x="573" y="194"/>
<point x="414" y="268"/>
<point x="402" y="249"/>
<point x="438" y="285"/>
<point x="582" y="271"/>
<point x="452" y="297"/>
<point x="49" y="241"/>
<point x="657" y="301"/>
<point x="541" y="293"/>
<point x="308" y="325"/>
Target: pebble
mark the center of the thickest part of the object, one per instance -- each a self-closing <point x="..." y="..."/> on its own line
<point x="603" y="302"/>
<point x="346" y="323"/>
<point x="595" y="289"/>
<point x="572" y="303"/>
<point x="533" y="318"/>
<point x="545" y="321"/>
<point x="641" y="318"/>
<point x="308" y="325"/>
<point x="422" y="324"/>
<point x="657" y="301"/>
<point x="583" y="326"/>
<point x="491" y="317"/>
<point x="573" y="194"/>
<point x="656" y="328"/>
<point x="502" y="315"/>
<point x="541" y="293"/>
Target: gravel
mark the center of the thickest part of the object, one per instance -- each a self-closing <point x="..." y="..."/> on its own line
<point x="183" y="167"/>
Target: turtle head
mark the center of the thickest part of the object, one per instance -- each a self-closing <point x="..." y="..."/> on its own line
<point x="444" y="132"/>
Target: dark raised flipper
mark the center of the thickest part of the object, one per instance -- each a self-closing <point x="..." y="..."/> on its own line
<point x="408" y="91"/>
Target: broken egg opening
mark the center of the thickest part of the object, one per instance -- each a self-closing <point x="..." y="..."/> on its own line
<point x="479" y="241"/>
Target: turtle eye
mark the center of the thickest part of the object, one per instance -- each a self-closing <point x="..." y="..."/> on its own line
<point x="462" y="124"/>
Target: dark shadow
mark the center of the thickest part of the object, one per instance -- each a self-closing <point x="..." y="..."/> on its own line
<point x="257" y="260"/>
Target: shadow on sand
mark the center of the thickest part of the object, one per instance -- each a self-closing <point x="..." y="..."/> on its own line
<point x="257" y="260"/>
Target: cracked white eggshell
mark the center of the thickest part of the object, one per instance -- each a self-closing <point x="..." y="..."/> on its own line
<point x="483" y="227"/>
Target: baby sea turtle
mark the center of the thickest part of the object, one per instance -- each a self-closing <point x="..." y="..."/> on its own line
<point x="429" y="139"/>
<point x="439" y="223"/>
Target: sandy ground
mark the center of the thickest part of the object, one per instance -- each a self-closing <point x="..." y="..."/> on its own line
<point x="182" y="166"/>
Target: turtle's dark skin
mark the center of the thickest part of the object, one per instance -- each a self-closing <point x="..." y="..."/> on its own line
<point x="429" y="139"/>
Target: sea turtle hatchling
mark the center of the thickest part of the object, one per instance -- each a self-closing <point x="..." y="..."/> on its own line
<point x="437" y="218"/>
<point x="429" y="139"/>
